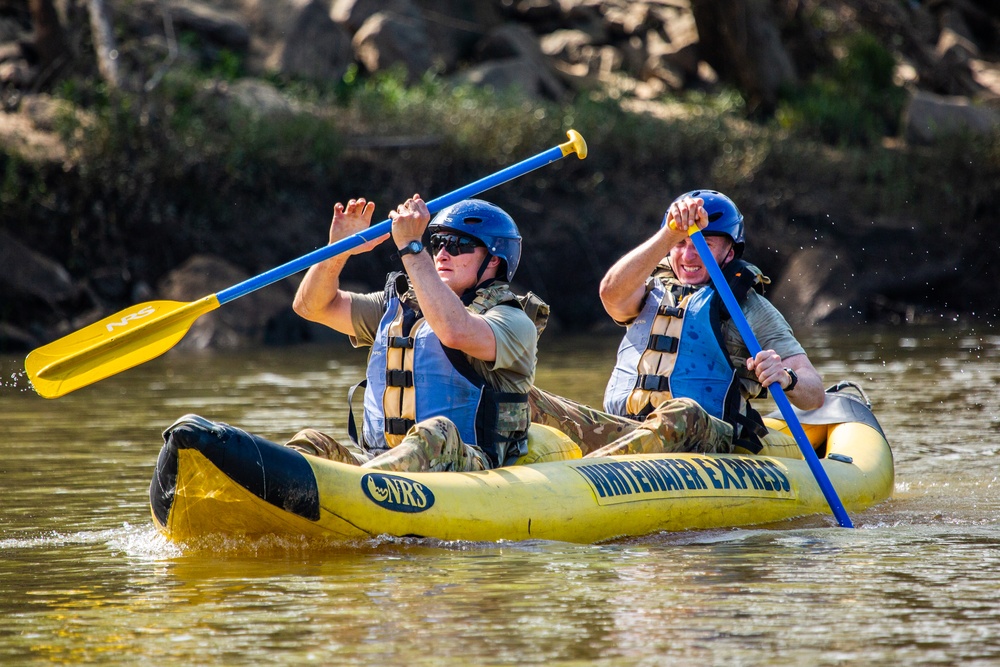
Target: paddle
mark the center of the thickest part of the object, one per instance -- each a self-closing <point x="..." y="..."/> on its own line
<point x="145" y="331"/>
<point x="736" y="313"/>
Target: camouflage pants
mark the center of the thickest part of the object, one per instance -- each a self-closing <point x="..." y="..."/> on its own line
<point x="678" y="425"/>
<point x="317" y="443"/>
<point x="433" y="445"/>
<point x="588" y="427"/>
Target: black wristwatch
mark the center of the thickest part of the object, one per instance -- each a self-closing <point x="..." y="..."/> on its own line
<point x="411" y="248"/>
<point x="795" y="379"/>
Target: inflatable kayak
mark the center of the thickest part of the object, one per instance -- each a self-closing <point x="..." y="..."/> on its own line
<point x="212" y="479"/>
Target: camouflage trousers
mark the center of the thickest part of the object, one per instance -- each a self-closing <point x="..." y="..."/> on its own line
<point x="588" y="427"/>
<point x="433" y="445"/>
<point x="678" y="425"/>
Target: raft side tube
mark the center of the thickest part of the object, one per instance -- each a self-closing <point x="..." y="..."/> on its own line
<point x="276" y="474"/>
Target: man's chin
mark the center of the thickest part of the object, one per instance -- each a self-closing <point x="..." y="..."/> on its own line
<point x="698" y="278"/>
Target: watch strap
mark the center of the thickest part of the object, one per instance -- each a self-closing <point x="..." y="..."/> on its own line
<point x="794" y="379"/>
<point x="411" y="248"/>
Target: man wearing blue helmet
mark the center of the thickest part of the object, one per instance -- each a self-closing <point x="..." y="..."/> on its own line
<point x="683" y="377"/>
<point x="452" y="348"/>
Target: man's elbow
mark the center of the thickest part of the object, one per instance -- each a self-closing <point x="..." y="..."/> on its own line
<point x="813" y="403"/>
<point x="300" y="307"/>
<point x="605" y="291"/>
<point x="811" y="400"/>
<point x="620" y="310"/>
<point x="452" y="338"/>
<point x="306" y="310"/>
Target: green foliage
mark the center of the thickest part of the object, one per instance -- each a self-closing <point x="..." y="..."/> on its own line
<point x="155" y="176"/>
<point x="213" y="62"/>
<point x="856" y="102"/>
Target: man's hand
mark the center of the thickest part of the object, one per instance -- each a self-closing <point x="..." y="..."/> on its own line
<point x="769" y="368"/>
<point x="409" y="221"/>
<point x="351" y="219"/>
<point x="686" y="212"/>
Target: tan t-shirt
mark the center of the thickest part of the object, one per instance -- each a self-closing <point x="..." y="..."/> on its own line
<point x="513" y="370"/>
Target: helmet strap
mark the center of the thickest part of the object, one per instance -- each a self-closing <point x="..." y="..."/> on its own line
<point x="482" y="267"/>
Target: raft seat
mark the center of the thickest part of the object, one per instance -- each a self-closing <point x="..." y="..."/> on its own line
<point x="548" y="444"/>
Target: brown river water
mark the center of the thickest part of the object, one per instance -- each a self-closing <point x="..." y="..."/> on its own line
<point x="85" y="578"/>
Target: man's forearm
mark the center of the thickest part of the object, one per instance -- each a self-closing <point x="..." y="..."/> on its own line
<point x="447" y="316"/>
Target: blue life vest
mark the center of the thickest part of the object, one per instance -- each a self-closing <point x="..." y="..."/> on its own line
<point x="675" y="349"/>
<point x="411" y="377"/>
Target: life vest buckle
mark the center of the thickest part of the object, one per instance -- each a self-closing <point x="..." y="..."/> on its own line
<point x="398" y="425"/>
<point x="398" y="378"/>
<point x="661" y="343"/>
<point x="653" y="382"/>
<point x="401" y="342"/>
<point x="670" y="311"/>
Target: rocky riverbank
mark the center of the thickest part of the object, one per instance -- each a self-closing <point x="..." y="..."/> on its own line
<point x="213" y="145"/>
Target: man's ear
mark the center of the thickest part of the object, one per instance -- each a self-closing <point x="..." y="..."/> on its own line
<point x="730" y="256"/>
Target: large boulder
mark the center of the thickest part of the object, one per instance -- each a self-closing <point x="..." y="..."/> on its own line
<point x="929" y="118"/>
<point x="30" y="274"/>
<point x="222" y="28"/>
<point x="37" y="293"/>
<point x="352" y="14"/>
<point x="815" y="288"/>
<point x="315" y="47"/>
<point x="515" y="46"/>
<point x="386" y="40"/>
<point x="240" y="323"/>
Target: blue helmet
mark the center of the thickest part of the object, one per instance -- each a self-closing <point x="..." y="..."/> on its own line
<point x="484" y="221"/>
<point x="723" y="217"/>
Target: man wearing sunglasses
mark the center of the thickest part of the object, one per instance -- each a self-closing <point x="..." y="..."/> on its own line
<point x="684" y="378"/>
<point x="452" y="348"/>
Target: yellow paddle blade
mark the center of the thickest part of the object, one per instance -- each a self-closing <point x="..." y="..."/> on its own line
<point x="116" y="343"/>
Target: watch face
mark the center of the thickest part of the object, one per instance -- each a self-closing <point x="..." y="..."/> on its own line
<point x="411" y="248"/>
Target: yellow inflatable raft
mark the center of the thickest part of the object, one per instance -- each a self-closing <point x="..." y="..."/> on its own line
<point x="213" y="479"/>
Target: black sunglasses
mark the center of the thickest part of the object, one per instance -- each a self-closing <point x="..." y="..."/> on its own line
<point x="454" y="244"/>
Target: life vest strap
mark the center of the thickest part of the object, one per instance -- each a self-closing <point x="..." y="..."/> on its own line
<point x="749" y="430"/>
<point x="398" y="378"/>
<point x="661" y="343"/>
<point x="401" y="342"/>
<point x="352" y="427"/>
<point x="398" y="425"/>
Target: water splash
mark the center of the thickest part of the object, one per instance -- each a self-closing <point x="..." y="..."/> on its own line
<point x="17" y="380"/>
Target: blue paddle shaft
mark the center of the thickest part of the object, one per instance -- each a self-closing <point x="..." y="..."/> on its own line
<point x="777" y="393"/>
<point x="375" y="231"/>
